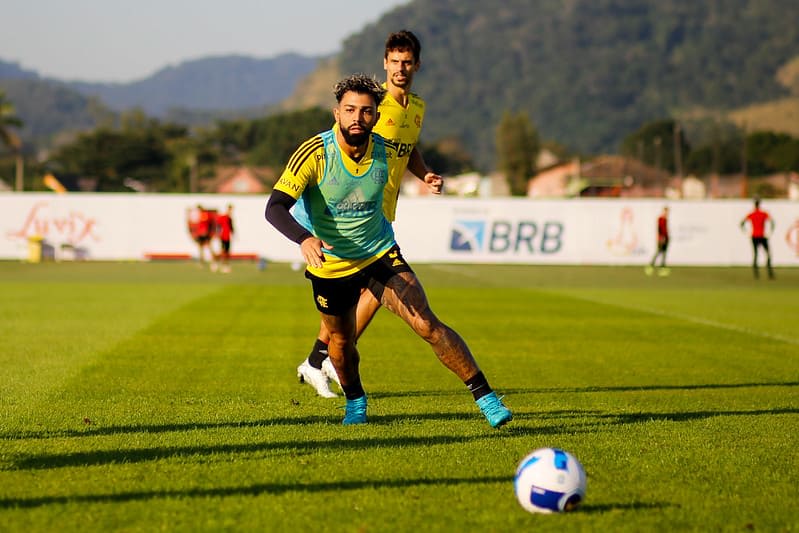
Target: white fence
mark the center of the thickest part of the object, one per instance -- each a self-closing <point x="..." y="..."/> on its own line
<point x="455" y="230"/>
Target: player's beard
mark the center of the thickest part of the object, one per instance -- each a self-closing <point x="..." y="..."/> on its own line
<point x="355" y="139"/>
<point x="405" y="83"/>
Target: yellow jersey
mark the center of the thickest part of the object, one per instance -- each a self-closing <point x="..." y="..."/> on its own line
<point x="340" y="201"/>
<point x="400" y="127"/>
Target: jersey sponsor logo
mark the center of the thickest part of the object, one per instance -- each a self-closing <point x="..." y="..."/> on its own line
<point x="287" y="183"/>
<point x="348" y="208"/>
<point x="322" y="301"/>
<point x="418" y="121"/>
<point x="404" y="149"/>
<point x="509" y="237"/>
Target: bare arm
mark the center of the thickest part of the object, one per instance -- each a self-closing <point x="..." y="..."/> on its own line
<point x="419" y="169"/>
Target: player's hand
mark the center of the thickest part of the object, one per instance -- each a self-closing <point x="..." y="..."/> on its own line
<point x="435" y="183"/>
<point x="311" y="249"/>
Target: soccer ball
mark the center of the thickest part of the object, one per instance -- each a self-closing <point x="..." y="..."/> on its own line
<point x="549" y="480"/>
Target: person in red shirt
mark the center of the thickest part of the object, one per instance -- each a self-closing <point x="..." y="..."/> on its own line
<point x="200" y="222"/>
<point x="662" y="245"/>
<point x="224" y="227"/>
<point x="757" y="220"/>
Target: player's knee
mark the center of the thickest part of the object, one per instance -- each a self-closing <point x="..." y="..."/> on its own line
<point x="428" y="328"/>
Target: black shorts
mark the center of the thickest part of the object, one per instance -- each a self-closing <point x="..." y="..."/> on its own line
<point x="336" y="296"/>
<point x="225" y="246"/>
<point x="760" y="241"/>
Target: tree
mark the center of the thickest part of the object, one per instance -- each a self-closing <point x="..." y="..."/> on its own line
<point x="769" y="152"/>
<point x="112" y="156"/>
<point x="661" y="144"/>
<point x="8" y="137"/>
<point x="517" y="150"/>
<point x="447" y="157"/>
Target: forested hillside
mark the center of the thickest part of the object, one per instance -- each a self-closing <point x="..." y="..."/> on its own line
<point x="197" y="92"/>
<point x="587" y="72"/>
<point x="48" y="109"/>
<point x="213" y="83"/>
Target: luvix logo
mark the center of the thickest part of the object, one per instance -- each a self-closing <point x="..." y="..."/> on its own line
<point x="72" y="228"/>
<point x="506" y="237"/>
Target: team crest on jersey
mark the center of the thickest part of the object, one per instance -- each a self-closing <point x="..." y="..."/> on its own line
<point x="379" y="175"/>
<point x="418" y="121"/>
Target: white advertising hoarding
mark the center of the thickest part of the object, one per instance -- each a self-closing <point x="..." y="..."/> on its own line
<point x="436" y="229"/>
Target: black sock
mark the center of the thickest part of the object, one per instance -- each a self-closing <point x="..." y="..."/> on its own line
<point x="353" y="391"/>
<point x="318" y="354"/>
<point x="478" y="386"/>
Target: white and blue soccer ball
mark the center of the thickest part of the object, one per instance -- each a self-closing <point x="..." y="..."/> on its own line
<point x="550" y="480"/>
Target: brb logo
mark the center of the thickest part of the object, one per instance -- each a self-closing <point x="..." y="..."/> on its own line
<point x="500" y="236"/>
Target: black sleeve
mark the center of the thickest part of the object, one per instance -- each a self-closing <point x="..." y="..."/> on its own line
<point x="277" y="214"/>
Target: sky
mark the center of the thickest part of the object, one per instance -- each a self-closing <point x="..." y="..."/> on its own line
<point x="127" y="40"/>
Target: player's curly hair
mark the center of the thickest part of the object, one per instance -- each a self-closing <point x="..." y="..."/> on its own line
<point x="361" y="84"/>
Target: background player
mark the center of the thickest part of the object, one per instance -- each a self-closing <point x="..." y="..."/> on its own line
<point x="757" y="220"/>
<point x="400" y="123"/>
<point x="224" y="229"/>
<point x="662" y="245"/>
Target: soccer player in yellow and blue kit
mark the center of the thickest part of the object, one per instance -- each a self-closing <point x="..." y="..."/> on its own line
<point x="337" y="180"/>
<point x="400" y="123"/>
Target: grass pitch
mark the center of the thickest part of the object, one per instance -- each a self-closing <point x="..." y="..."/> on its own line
<point x="142" y="397"/>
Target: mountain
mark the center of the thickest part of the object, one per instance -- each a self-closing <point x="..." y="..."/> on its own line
<point x="48" y="109"/>
<point x="193" y="93"/>
<point x="15" y="71"/>
<point x="587" y="72"/>
<point x="213" y="83"/>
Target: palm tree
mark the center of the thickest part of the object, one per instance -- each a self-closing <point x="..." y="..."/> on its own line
<point x="9" y="120"/>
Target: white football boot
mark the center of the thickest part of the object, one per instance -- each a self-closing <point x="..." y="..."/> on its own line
<point x="330" y="372"/>
<point x="316" y="379"/>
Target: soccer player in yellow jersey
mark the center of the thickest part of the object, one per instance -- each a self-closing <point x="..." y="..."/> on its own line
<point x="334" y="183"/>
<point x="400" y="123"/>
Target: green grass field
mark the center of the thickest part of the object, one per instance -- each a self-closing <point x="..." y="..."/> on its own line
<point x="146" y="397"/>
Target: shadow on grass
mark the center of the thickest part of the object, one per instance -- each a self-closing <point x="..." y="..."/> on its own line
<point x="594" y="422"/>
<point x="282" y="488"/>
<point x="99" y="430"/>
<point x="581" y="390"/>
<point x="293" y="447"/>
<point x="639" y="388"/>
<point x="251" y="490"/>
<point x="634" y="418"/>
<point x="634" y="506"/>
<point x="334" y="420"/>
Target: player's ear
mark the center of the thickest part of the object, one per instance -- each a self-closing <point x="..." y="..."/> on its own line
<point x="335" y="114"/>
